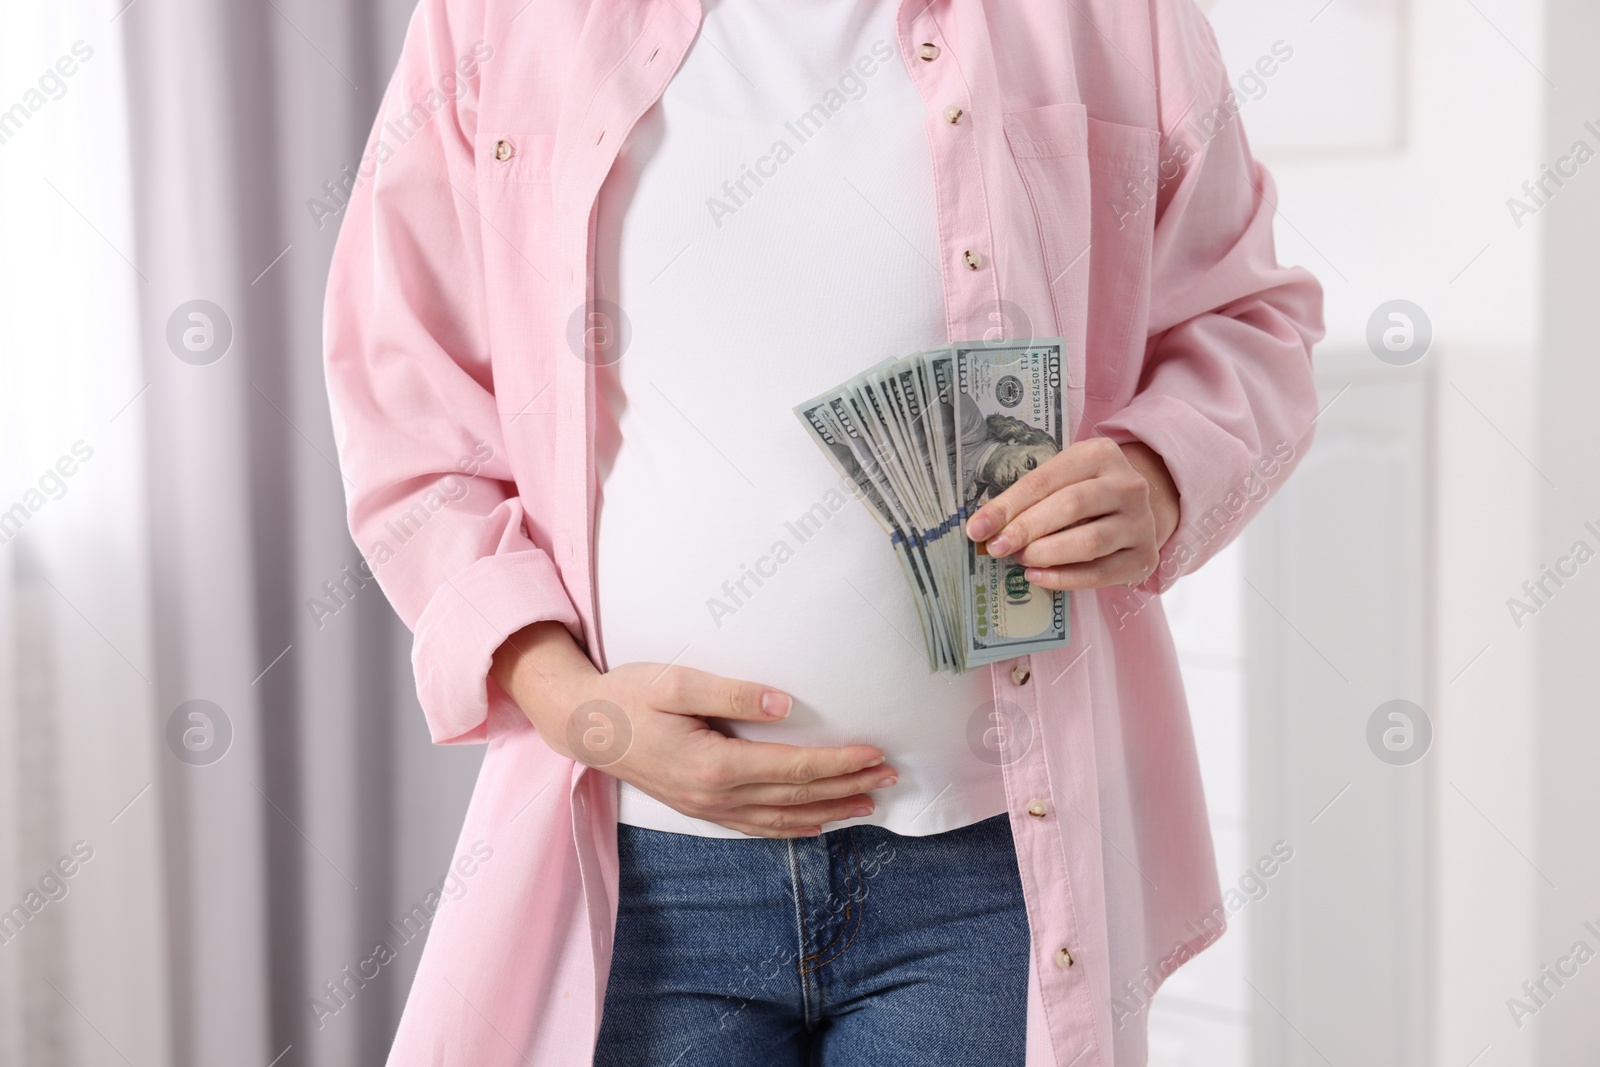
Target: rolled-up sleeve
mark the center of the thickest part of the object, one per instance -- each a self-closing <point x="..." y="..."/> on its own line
<point x="1226" y="396"/>
<point x="431" y="499"/>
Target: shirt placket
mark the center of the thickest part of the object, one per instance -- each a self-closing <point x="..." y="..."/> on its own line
<point x="633" y="82"/>
<point x="954" y="122"/>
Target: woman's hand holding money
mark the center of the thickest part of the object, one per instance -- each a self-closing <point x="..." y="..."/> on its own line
<point x="1095" y="514"/>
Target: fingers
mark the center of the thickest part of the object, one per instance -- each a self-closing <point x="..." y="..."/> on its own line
<point x="757" y="788"/>
<point x="1085" y="543"/>
<point x="1078" y="463"/>
<point x="768" y="794"/>
<point x="794" y="821"/>
<point x="686" y="691"/>
<point x="1066" y="507"/>
<point x="770" y="809"/>
<point x="1128" y="566"/>
<point x="738" y="762"/>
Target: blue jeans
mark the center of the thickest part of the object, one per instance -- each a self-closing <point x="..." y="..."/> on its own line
<point x="857" y="947"/>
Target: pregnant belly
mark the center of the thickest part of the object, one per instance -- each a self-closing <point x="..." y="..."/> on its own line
<point x="809" y="599"/>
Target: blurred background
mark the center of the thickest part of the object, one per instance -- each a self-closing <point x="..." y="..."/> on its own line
<point x="207" y="715"/>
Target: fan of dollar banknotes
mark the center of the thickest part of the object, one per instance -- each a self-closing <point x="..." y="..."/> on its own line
<point x="926" y="440"/>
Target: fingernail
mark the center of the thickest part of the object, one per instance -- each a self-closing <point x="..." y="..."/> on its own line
<point x="1000" y="546"/>
<point x="860" y="810"/>
<point x="1033" y="575"/>
<point x="775" y="705"/>
<point x="874" y="762"/>
<point x="980" y="527"/>
<point x="811" y="831"/>
<point x="891" y="780"/>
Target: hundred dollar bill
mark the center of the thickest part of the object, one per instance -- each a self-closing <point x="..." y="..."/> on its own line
<point x="1010" y="418"/>
<point x="926" y="440"/>
<point x="902" y="456"/>
<point x="835" y="432"/>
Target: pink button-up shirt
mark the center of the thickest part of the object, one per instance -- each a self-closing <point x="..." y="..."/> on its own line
<point x="1095" y="185"/>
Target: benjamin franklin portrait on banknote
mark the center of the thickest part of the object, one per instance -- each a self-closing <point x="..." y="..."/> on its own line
<point x="996" y="451"/>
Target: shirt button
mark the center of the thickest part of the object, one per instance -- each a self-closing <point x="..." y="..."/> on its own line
<point x="1020" y="674"/>
<point x="952" y="114"/>
<point x="1037" y="809"/>
<point x="1063" y="958"/>
<point x="503" y="150"/>
<point x="972" y="259"/>
<point x="928" y="51"/>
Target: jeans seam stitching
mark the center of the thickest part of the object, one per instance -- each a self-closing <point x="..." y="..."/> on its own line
<point x="855" y="856"/>
<point x="800" y="931"/>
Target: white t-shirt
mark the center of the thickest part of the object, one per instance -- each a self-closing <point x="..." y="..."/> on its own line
<point x="767" y="232"/>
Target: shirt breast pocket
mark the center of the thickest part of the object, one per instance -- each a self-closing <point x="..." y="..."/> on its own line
<point x="1091" y="185"/>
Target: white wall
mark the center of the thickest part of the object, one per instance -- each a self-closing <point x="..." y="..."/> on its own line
<point x="1396" y="133"/>
<point x="1567" y="632"/>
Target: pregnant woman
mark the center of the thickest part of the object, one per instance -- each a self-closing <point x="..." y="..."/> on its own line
<point x="597" y="251"/>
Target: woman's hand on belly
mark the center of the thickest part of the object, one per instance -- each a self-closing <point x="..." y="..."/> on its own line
<point x="646" y="723"/>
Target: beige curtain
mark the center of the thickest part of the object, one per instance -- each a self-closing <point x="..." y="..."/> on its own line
<point x="240" y="784"/>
